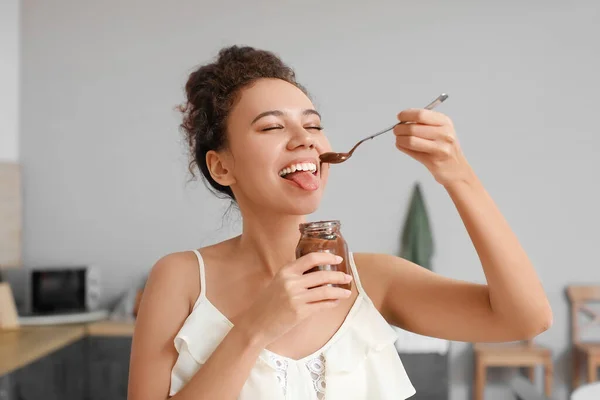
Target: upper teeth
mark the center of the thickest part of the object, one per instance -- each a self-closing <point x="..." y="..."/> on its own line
<point x="298" y="167"/>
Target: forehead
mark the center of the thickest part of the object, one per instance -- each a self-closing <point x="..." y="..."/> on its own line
<point x="268" y="95"/>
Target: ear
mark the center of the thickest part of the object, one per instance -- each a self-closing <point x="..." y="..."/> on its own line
<point x="220" y="166"/>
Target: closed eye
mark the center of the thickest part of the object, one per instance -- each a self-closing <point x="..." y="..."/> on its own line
<point x="271" y="128"/>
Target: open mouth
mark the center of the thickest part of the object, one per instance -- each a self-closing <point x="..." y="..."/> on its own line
<point x="303" y="175"/>
<point x="300" y="167"/>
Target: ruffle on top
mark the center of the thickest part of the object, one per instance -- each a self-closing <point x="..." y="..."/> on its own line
<point x="360" y="358"/>
<point x="199" y="336"/>
<point x="367" y="332"/>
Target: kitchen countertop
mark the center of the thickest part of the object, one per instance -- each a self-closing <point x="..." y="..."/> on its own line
<point x="27" y="344"/>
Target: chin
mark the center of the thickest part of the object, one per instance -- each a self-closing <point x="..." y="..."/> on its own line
<point x="282" y="197"/>
<point x="306" y="209"/>
<point x="303" y="205"/>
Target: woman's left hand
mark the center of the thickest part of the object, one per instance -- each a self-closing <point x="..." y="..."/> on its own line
<point x="429" y="137"/>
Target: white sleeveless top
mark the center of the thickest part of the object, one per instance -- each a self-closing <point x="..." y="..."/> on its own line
<point x="360" y="360"/>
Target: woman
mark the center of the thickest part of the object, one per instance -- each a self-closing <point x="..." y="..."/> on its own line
<point x="239" y="319"/>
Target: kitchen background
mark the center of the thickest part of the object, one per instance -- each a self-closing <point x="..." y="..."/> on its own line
<point x="87" y="98"/>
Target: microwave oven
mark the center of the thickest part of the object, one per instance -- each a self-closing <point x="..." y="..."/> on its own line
<point x="55" y="290"/>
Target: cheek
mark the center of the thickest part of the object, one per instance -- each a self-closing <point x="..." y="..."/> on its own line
<point x="323" y="144"/>
<point x="252" y="159"/>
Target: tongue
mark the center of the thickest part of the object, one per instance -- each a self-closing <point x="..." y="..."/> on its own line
<point x="305" y="179"/>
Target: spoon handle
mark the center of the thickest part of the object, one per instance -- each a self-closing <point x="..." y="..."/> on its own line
<point x="440" y="99"/>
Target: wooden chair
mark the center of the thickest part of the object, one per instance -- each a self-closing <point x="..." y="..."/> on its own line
<point x="521" y="355"/>
<point x="580" y="296"/>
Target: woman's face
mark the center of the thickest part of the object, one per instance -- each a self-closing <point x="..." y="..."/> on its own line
<point x="274" y="142"/>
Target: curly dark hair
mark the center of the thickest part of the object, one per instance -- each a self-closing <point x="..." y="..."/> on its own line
<point x="212" y="91"/>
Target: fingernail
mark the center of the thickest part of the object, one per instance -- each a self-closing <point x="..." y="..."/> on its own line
<point x="339" y="259"/>
<point x="348" y="292"/>
<point x="348" y="278"/>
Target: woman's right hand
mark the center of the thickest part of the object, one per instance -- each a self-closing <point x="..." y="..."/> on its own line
<point x="293" y="296"/>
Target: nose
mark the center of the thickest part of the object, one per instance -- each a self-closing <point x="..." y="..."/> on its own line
<point x="301" y="138"/>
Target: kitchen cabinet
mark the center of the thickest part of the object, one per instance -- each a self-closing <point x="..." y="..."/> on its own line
<point x="58" y="376"/>
<point x="108" y="367"/>
<point x="91" y="368"/>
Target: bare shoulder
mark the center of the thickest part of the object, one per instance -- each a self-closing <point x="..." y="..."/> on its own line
<point x="385" y="274"/>
<point x="178" y="274"/>
<point x="374" y="270"/>
<point x="172" y="286"/>
<point x="176" y="266"/>
<point x="175" y="273"/>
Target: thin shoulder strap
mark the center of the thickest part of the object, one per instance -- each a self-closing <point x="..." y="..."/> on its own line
<point x="202" y="277"/>
<point x="355" y="275"/>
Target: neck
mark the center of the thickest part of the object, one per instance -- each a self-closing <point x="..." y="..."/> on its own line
<point x="270" y="240"/>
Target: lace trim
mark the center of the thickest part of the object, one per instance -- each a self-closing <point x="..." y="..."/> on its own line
<point x="281" y="366"/>
<point x="316" y="369"/>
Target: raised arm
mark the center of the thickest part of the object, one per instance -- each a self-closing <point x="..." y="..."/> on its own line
<point x="511" y="306"/>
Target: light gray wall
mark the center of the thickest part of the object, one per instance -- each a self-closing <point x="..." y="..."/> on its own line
<point x="105" y="172"/>
<point x="9" y="80"/>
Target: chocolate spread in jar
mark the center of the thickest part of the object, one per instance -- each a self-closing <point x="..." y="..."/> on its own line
<point x="324" y="236"/>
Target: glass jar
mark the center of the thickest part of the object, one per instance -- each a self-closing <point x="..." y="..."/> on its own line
<point x="324" y="236"/>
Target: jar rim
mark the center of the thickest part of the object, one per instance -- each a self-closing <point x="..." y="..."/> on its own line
<point x="320" y="225"/>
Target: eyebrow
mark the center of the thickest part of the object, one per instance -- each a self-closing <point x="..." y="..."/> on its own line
<point x="279" y="113"/>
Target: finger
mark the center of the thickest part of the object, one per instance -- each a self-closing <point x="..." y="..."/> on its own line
<point x="314" y="259"/>
<point x="319" y="278"/>
<point x="424" y="116"/>
<point x="414" y="154"/>
<point x="430" y="132"/>
<point x="417" y="144"/>
<point x="321" y="305"/>
<point x="321" y="293"/>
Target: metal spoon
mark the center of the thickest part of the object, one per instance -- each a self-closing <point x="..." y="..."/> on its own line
<point x="337" y="158"/>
